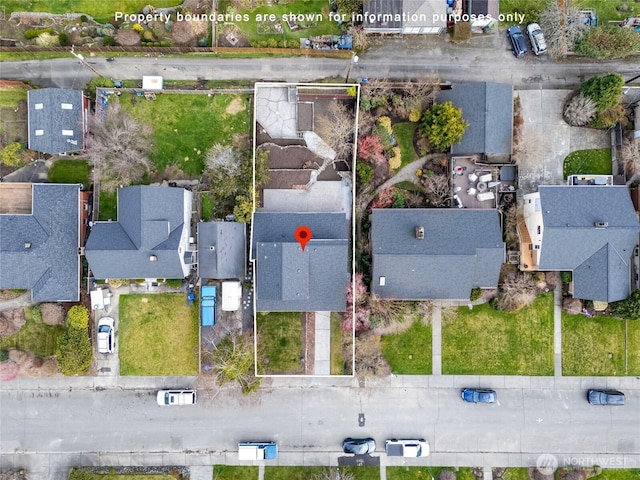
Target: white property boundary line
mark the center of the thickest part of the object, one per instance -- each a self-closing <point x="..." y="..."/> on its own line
<point x="333" y="87"/>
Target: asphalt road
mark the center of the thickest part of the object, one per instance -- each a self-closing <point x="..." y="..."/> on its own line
<point x="309" y="424"/>
<point x="485" y="59"/>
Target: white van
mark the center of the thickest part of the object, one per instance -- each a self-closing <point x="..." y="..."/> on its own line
<point x="231" y="295"/>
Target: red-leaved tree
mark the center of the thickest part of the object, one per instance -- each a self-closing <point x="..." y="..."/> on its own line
<point x="371" y="149"/>
<point x="384" y="199"/>
<point x="357" y="296"/>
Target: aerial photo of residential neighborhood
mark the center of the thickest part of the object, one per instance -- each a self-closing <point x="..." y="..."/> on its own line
<point x="320" y="240"/>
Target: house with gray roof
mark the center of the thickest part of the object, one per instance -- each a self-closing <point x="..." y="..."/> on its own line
<point x="289" y="279"/>
<point x="150" y="239"/>
<point x="435" y="253"/>
<point x="222" y="250"/>
<point x="588" y="230"/>
<point x="57" y="120"/>
<point x="40" y="248"/>
<point x="405" y="16"/>
<point x="488" y="107"/>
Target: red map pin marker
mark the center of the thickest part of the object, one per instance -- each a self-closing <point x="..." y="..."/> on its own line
<point x="303" y="235"/>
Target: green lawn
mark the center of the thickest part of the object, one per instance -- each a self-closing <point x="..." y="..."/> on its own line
<point x="593" y="346"/>
<point x="409" y="352"/>
<point x="108" y="205"/>
<point x="426" y="473"/>
<point x="158" y="335"/>
<point x="34" y="336"/>
<point x="10" y="97"/>
<point x="313" y="7"/>
<point x="206" y="207"/>
<point x="224" y="472"/>
<point x="529" y="8"/>
<point x="618" y="474"/>
<point x="485" y="341"/>
<point x="404" y="133"/>
<point x="634" y="347"/>
<point x="596" y="161"/>
<point x="337" y="356"/>
<point x="516" y="474"/>
<point x="306" y="473"/>
<point x="280" y="341"/>
<point x="186" y="126"/>
<point x="70" y="171"/>
<point x="100" y="11"/>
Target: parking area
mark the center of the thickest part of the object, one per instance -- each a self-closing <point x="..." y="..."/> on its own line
<point x="547" y="139"/>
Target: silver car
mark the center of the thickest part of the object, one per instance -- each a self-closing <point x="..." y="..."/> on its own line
<point x="106" y="335"/>
<point x="536" y="37"/>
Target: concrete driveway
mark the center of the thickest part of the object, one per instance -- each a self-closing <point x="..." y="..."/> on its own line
<point x="547" y="139"/>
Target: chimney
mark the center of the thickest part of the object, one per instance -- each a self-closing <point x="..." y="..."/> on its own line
<point x="27" y="245"/>
<point x="601" y="224"/>
<point x="153" y="258"/>
<point x="420" y="233"/>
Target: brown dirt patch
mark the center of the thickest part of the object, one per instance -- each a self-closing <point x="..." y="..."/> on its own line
<point x="8" y="294"/>
<point x="236" y="106"/>
<point x="52" y="314"/>
<point x="30" y="365"/>
<point x="11" y="322"/>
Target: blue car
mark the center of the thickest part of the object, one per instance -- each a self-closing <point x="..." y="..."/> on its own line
<point x="479" y="395"/>
<point x="518" y="43"/>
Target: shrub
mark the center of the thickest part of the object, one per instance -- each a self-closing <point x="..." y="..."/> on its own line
<point x="415" y="114"/>
<point x="36" y="32"/>
<point x="148" y="36"/>
<point x="108" y="41"/>
<point x="165" y="43"/>
<point x="443" y="125"/>
<point x="371" y="149"/>
<point x="352" y="91"/>
<point x="84" y="19"/>
<point x="609" y="42"/>
<point x="137" y="27"/>
<point x="476" y="293"/>
<point x="604" y="90"/>
<point x="4" y="355"/>
<point x="11" y="155"/>
<point x="396" y="159"/>
<point x="565" y="277"/>
<point x="47" y="40"/>
<point x="63" y="39"/>
<point x="385" y="123"/>
<point x="173" y="283"/>
<point x="74" y="352"/>
<point x="580" y="110"/>
<point x="629" y="308"/>
<point x="96" y="82"/>
<point x="36" y="314"/>
<point x="78" y="317"/>
<point x="243" y="208"/>
<point x="364" y="171"/>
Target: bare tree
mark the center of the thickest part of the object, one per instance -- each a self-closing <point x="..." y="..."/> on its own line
<point x="336" y="129"/>
<point x="225" y="158"/>
<point x="360" y="39"/>
<point x="630" y="159"/>
<point x="119" y="147"/>
<point x="580" y="110"/>
<point x="516" y="292"/>
<point x="561" y="29"/>
<point x="511" y="225"/>
<point x="333" y="474"/>
<point x="437" y="189"/>
<point x="369" y="360"/>
<point x="422" y="93"/>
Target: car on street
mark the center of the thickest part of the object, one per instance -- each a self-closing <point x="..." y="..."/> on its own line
<point x="406" y="447"/>
<point x="605" y="397"/>
<point x="359" y="446"/>
<point x="169" y="398"/>
<point x="105" y="335"/>
<point x="518" y="43"/>
<point x="536" y="37"/>
<point x="479" y="395"/>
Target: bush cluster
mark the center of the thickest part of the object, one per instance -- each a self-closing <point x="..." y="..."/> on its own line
<point x="36" y="32"/>
<point x="74" y="353"/>
<point x="609" y="42"/>
<point x="273" y="43"/>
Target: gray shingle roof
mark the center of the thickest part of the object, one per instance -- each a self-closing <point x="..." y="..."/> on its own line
<point x="600" y="258"/>
<point x="52" y="128"/>
<point x="488" y="107"/>
<point x="462" y="249"/>
<point x="50" y="266"/>
<point x="152" y="222"/>
<point x="291" y="280"/>
<point x="417" y="13"/>
<point x="228" y="258"/>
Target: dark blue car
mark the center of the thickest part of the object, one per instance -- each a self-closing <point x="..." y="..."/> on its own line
<point x="479" y="395"/>
<point x="518" y="43"/>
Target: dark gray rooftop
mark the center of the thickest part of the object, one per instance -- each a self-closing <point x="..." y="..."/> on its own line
<point x="291" y="280"/>
<point x="488" y="107"/>
<point x="151" y="225"/>
<point x="40" y="251"/>
<point x="387" y="15"/>
<point x="56" y="120"/>
<point x="600" y="258"/>
<point x="222" y="250"/>
<point x="462" y="249"/>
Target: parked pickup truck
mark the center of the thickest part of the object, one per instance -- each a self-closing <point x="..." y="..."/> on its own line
<point x="407" y="447"/>
<point x="169" y="398"/>
<point x="257" y="451"/>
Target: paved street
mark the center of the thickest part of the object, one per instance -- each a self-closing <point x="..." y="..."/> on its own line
<point x="91" y="421"/>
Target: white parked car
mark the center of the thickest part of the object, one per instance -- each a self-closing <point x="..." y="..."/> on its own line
<point x="536" y="37"/>
<point x="106" y="335"/>
<point x="406" y="447"/>
<point x="168" y="398"/>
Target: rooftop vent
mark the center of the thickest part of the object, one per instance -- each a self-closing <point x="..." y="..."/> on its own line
<point x="153" y="258"/>
<point x="212" y="248"/>
<point x="602" y="224"/>
<point x="27" y="245"/>
<point x="420" y="233"/>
